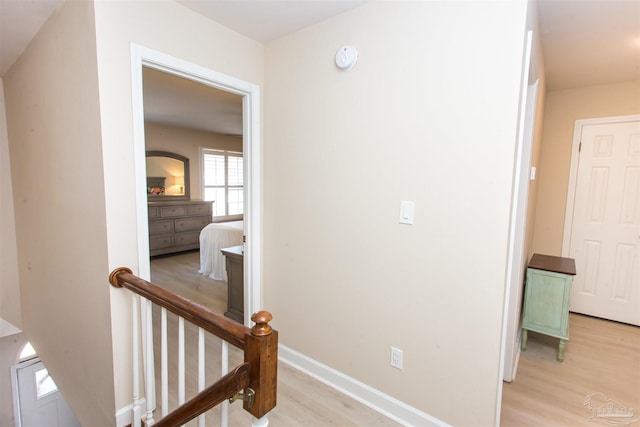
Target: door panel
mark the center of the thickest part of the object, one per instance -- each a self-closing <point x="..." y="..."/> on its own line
<point x="39" y="401"/>
<point x="605" y="232"/>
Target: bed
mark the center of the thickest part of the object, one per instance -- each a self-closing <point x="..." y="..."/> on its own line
<point x="214" y="237"/>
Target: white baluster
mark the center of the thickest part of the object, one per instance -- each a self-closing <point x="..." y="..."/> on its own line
<point x="201" y="369"/>
<point x="181" y="361"/>
<point x="260" y="422"/>
<point x="149" y="365"/>
<point x="164" y="374"/>
<point x="136" y="416"/>
<point x="224" y="406"/>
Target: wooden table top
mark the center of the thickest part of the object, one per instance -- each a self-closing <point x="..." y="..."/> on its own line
<point x="553" y="263"/>
<point x="233" y="250"/>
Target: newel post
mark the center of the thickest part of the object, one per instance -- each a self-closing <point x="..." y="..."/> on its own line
<point x="261" y="352"/>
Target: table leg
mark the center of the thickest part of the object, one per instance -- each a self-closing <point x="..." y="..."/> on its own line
<point x="561" y="350"/>
<point x="523" y="342"/>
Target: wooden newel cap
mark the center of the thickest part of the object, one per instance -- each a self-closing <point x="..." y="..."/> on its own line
<point x="261" y="327"/>
<point x="113" y="277"/>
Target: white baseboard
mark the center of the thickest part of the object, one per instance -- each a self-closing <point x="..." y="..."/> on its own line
<point x="123" y="415"/>
<point x="516" y="362"/>
<point x="368" y="396"/>
<point x="374" y="399"/>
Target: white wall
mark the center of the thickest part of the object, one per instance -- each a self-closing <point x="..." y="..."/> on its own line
<point x="429" y="114"/>
<point x="10" y="307"/>
<point x="56" y="165"/>
<point x="9" y="286"/>
<point x="170" y="28"/>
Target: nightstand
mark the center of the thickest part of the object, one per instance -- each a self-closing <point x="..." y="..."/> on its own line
<point x="547" y="297"/>
<point x="234" y="257"/>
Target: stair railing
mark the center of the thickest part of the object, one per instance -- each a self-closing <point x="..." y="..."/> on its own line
<point x="254" y="381"/>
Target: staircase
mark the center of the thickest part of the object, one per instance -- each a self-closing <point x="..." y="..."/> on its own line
<point x="253" y="380"/>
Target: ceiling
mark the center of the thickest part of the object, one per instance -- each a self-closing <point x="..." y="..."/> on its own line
<point x="589" y="42"/>
<point x="585" y="42"/>
<point x="177" y="101"/>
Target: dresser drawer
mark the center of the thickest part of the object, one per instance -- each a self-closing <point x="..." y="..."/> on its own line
<point x="187" y="238"/>
<point x="191" y="224"/>
<point x="160" y="242"/>
<point x="152" y="212"/>
<point x="160" y="227"/>
<point x="168" y="211"/>
<point x="204" y="209"/>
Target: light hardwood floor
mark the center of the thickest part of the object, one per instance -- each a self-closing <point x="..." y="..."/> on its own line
<point x="601" y="357"/>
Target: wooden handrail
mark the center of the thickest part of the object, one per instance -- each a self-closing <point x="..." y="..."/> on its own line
<point x="221" y="390"/>
<point x="223" y="327"/>
<point x="260" y="345"/>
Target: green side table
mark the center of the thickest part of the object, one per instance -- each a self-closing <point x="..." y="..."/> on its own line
<point x="547" y="298"/>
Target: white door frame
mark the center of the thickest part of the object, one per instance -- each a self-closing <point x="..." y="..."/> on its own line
<point x="516" y="254"/>
<point x="142" y="56"/>
<point x="573" y="174"/>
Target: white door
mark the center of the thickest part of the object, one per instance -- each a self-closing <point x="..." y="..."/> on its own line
<point x="605" y="229"/>
<point x="38" y="401"/>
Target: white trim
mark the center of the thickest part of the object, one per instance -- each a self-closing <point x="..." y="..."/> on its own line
<point x="509" y="347"/>
<point x="573" y="174"/>
<point x="123" y="415"/>
<point x="515" y="365"/>
<point x="374" y="399"/>
<point x="140" y="167"/>
<point x="253" y="197"/>
<point x="16" y="396"/>
<point x="251" y="146"/>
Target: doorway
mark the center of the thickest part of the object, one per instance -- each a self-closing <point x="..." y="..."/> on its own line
<point x="518" y="244"/>
<point x="602" y="220"/>
<point x="149" y="59"/>
<point x="36" y="398"/>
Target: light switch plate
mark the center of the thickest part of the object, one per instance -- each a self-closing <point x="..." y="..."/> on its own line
<point x="406" y="212"/>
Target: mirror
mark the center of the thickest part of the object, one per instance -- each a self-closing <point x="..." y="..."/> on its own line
<point x="167" y="176"/>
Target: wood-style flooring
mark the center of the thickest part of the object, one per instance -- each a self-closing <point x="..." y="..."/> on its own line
<point x="602" y="361"/>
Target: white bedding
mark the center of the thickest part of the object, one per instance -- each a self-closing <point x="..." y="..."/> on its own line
<point x="214" y="237"/>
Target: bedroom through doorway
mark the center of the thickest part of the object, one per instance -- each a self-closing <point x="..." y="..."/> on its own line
<point x="206" y="121"/>
<point x="203" y="125"/>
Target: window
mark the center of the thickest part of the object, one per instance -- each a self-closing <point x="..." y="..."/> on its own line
<point x="28" y="352"/>
<point x="223" y="182"/>
<point x="44" y="383"/>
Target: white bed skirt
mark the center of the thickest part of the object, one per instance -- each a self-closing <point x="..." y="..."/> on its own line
<point x="213" y="238"/>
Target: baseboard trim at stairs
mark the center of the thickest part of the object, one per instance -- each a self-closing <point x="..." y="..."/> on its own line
<point x="123" y="415"/>
<point x="374" y="399"/>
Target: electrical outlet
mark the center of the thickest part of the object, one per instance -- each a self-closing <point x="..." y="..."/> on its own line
<point x="396" y="358"/>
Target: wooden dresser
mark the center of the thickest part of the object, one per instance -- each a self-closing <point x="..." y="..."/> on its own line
<point x="175" y="226"/>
